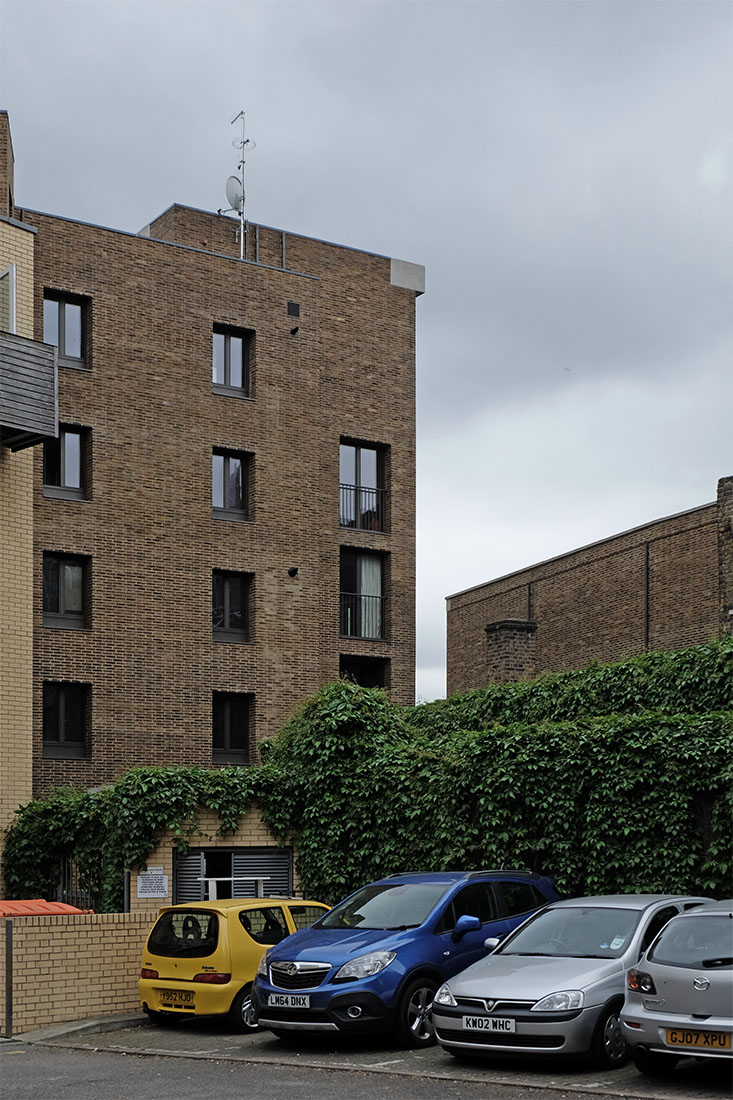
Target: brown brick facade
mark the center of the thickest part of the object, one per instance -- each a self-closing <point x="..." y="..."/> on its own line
<point x="343" y="367"/>
<point x="665" y="585"/>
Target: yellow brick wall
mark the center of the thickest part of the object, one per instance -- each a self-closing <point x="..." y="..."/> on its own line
<point x="16" y="568"/>
<point x="72" y="967"/>
<point x="252" y="833"/>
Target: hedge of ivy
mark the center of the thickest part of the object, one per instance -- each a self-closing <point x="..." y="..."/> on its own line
<point x="539" y="774"/>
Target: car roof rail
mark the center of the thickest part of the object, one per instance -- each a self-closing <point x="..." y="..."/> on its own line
<point x="520" y="871"/>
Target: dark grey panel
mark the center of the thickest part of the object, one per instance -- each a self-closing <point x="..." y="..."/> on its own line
<point x="28" y="391"/>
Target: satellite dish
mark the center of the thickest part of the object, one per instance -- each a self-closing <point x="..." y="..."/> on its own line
<point x="235" y="195"/>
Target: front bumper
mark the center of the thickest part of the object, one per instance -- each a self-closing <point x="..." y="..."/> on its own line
<point x="644" y="1028"/>
<point x="351" y="1009"/>
<point x="567" y="1034"/>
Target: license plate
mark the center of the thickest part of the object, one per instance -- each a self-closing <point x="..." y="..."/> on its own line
<point x="176" y="997"/>
<point x="704" y="1040"/>
<point x="289" y="1000"/>
<point x="489" y="1023"/>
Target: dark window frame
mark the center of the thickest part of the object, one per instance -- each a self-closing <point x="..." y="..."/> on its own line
<point x="247" y="337"/>
<point x="228" y="511"/>
<point x="363" y="507"/>
<point x="369" y="672"/>
<point x="222" y="709"/>
<point x="68" y="694"/>
<point x="62" y="300"/>
<point x="59" y="488"/>
<point x="362" y="614"/>
<point x="226" y="632"/>
<point x="62" y="618"/>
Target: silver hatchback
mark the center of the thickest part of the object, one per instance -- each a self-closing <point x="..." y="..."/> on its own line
<point x="679" y="999"/>
<point x="556" y="985"/>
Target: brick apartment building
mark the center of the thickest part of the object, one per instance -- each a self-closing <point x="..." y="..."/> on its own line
<point x="665" y="585"/>
<point x="225" y="520"/>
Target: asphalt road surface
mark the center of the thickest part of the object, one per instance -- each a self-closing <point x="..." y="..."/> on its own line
<point x="199" y="1060"/>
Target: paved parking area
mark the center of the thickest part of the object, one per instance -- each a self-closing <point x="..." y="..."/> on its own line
<point x="201" y="1039"/>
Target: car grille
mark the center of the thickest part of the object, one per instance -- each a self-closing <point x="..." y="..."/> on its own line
<point x="496" y="1008"/>
<point x="298" y="975"/>
<point x="487" y="1039"/>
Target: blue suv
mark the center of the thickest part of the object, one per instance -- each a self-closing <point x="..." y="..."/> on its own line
<point x="374" y="961"/>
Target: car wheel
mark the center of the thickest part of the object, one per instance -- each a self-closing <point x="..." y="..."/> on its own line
<point x="414" y="1020"/>
<point x="242" y="1014"/>
<point x="608" y="1049"/>
<point x="652" y="1064"/>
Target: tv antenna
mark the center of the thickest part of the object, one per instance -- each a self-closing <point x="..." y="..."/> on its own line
<point x="235" y="184"/>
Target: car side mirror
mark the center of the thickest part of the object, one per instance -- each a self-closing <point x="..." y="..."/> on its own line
<point x="492" y="942"/>
<point x="465" y="924"/>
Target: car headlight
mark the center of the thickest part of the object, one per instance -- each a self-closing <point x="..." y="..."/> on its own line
<point x="444" y="996"/>
<point x="262" y="968"/>
<point x="565" y="1001"/>
<point x="364" y="966"/>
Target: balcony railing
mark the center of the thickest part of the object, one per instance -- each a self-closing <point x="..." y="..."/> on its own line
<point x="362" y="508"/>
<point x="362" y="616"/>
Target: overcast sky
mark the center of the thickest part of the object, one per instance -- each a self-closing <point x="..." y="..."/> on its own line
<point x="562" y="169"/>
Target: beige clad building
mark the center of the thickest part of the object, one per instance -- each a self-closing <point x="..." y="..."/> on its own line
<point x="27" y="419"/>
<point x="225" y="520"/>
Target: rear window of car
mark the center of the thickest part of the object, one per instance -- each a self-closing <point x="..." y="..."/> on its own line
<point x="696" y="941"/>
<point x="194" y="933"/>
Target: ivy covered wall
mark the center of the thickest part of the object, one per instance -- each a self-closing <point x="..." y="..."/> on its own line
<point x="615" y="778"/>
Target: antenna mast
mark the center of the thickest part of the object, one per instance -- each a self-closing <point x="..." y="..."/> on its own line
<point x="241" y="145"/>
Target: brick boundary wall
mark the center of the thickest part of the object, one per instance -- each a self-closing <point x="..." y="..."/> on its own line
<point x="70" y="967"/>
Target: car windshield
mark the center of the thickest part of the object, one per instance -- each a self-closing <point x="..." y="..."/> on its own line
<point x="579" y="932"/>
<point x="193" y="933"/>
<point x="700" y="941"/>
<point x="386" y="906"/>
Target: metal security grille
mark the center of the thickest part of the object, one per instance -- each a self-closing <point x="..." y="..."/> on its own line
<point x="252" y="872"/>
<point x="273" y="866"/>
<point x="188" y="874"/>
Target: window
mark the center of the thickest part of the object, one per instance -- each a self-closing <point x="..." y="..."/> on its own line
<point x="361" y="600"/>
<point x="520" y="897"/>
<point x="656" y="924"/>
<point x="65" y="463"/>
<point x="231" y="724"/>
<point x="230" y="483"/>
<point x="305" y="915"/>
<point x="475" y="900"/>
<point x="63" y="325"/>
<point x="230" y="618"/>
<point x="7" y="298"/>
<point x="369" y="672"/>
<point x="65" y="719"/>
<point x="64" y="602"/>
<point x="231" y="364"/>
<point x="266" y="925"/>
<point x="361" y="475"/>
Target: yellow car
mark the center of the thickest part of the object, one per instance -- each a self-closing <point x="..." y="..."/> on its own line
<point x="201" y="957"/>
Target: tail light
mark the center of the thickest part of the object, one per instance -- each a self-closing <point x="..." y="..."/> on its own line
<point x="638" y="982"/>
<point x="146" y="972"/>
<point x="212" y="978"/>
